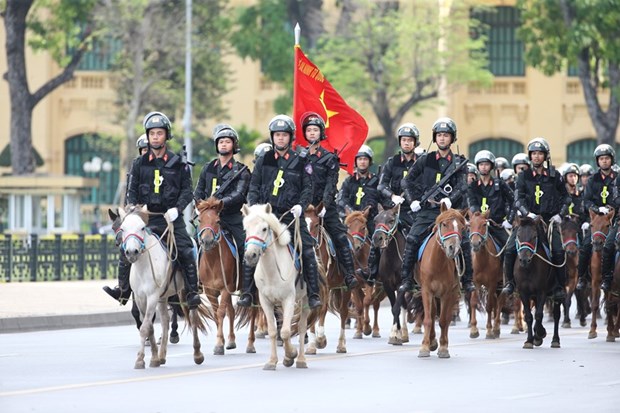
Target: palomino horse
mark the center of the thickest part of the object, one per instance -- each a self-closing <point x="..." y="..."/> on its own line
<point x="153" y="279"/>
<point x="218" y="270"/>
<point x="534" y="280"/>
<point x="488" y="272"/>
<point x="438" y="270"/>
<point x="339" y="295"/>
<point x="276" y="280"/>
<point x="391" y="242"/>
<point x="570" y="242"/>
<point x="599" y="226"/>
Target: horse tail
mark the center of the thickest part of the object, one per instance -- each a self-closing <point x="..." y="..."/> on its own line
<point x="335" y="300"/>
<point x="245" y="315"/>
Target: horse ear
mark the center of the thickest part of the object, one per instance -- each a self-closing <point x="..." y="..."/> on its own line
<point x="380" y="208"/>
<point x="144" y="209"/>
<point x="365" y="212"/>
<point x="348" y="210"/>
<point x="592" y="215"/>
<point x="443" y="207"/>
<point x="320" y="206"/>
<point x="311" y="208"/>
<point x="219" y="206"/>
<point x="611" y="214"/>
<point x="245" y="210"/>
<point x="122" y="213"/>
<point x="268" y="208"/>
<point x="112" y="215"/>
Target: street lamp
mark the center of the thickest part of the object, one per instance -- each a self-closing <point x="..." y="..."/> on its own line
<point x="95" y="166"/>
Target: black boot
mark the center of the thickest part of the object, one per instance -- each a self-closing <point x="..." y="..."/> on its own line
<point x="509" y="270"/>
<point x="559" y="292"/>
<point x="467" y="278"/>
<point x="346" y="261"/>
<point x="122" y="291"/>
<point x="608" y="268"/>
<point x="585" y="255"/>
<point x="312" y="279"/>
<point x="408" y="283"/>
<point x="373" y="265"/>
<point x="247" y="288"/>
<point x="191" y="278"/>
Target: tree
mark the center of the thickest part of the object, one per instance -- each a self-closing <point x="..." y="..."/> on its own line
<point x="61" y="27"/>
<point x="582" y="34"/>
<point x="150" y="68"/>
<point x="391" y="56"/>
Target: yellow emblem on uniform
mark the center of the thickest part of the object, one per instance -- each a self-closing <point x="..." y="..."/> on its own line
<point x="538" y="193"/>
<point x="359" y="195"/>
<point x="277" y="183"/>
<point x="157" y="181"/>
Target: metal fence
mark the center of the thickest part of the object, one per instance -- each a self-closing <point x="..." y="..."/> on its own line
<point x="57" y="257"/>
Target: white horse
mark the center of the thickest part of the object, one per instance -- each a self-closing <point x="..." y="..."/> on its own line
<point x="151" y="281"/>
<point x="266" y="247"/>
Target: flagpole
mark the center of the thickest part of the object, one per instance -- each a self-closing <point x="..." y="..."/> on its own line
<point x="297" y="36"/>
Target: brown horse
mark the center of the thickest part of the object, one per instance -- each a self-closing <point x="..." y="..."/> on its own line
<point x="599" y="226"/>
<point x="534" y="278"/>
<point x="488" y="272"/>
<point x="438" y="275"/>
<point x="218" y="270"/>
<point x="570" y="242"/>
<point x="612" y="306"/>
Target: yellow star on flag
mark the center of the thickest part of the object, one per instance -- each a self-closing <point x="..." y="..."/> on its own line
<point x="328" y="113"/>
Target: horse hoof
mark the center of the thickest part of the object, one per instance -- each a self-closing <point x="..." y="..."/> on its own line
<point x="310" y="351"/>
<point x="489" y="336"/>
<point x="582" y="323"/>
<point x="218" y="351"/>
<point x="417" y="330"/>
<point x="139" y="365"/>
<point x="434" y="345"/>
<point x="395" y="341"/>
<point x="610" y="339"/>
<point x="260" y="335"/>
<point x="269" y="366"/>
<point x="452" y="323"/>
<point x="154" y="363"/>
<point x="301" y="365"/>
<point x="250" y="350"/>
<point x="592" y="335"/>
<point x="538" y="341"/>
<point x="358" y="336"/>
<point x="162" y="361"/>
<point x="528" y="346"/>
<point x="424" y="353"/>
<point x="321" y="343"/>
<point x="341" y="350"/>
<point x="231" y="346"/>
<point x="514" y="331"/>
<point x="367" y="331"/>
<point x="376" y="335"/>
<point x="555" y="344"/>
<point x="288" y="362"/>
<point x="279" y="342"/>
<point x="475" y="334"/>
<point x="566" y="324"/>
<point x="174" y="339"/>
<point x="443" y="354"/>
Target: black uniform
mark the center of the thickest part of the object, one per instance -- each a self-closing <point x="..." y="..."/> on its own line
<point x="427" y="171"/>
<point x="283" y="182"/>
<point x="358" y="192"/>
<point x="545" y="195"/>
<point x="609" y="249"/>
<point x="212" y="177"/>
<point x="497" y="198"/>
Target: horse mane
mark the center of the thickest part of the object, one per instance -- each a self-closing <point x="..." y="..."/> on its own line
<point x="450" y="214"/>
<point x="209" y="203"/>
<point x="359" y="215"/>
<point x="282" y="234"/>
<point x="137" y="210"/>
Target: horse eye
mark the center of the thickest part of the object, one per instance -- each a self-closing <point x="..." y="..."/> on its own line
<point x="264" y="229"/>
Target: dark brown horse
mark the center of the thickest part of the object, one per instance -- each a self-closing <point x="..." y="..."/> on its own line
<point x="488" y="272"/>
<point x="534" y="278"/>
<point x="612" y="306"/>
<point x="570" y="242"/>
<point x="438" y="272"/>
<point x="599" y="227"/>
<point x="218" y="271"/>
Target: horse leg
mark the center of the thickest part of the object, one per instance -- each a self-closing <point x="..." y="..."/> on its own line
<point x="596" y="297"/>
<point x="321" y="338"/>
<point x="518" y="313"/>
<point x="311" y="349"/>
<point x="303" y="326"/>
<point x="581" y="307"/>
<point x="498" y="300"/>
<point x="566" y="305"/>
<point x="367" y="303"/>
<point x="290" y="352"/>
<point x="473" y="322"/>
<point x="194" y="319"/>
<point x="251" y="335"/>
<point x="147" y="331"/>
<point x="539" y="330"/>
<point x="404" y="332"/>
<point x="219" y="309"/>
<point x="344" y="313"/>
<point x="357" y="298"/>
<point x="230" y="312"/>
<point x="529" y="318"/>
<point x="395" y="334"/>
<point x="555" y="342"/>
<point x="174" y="331"/>
<point x="271" y="330"/>
<point x="444" y="324"/>
<point x="427" y="302"/>
<point x="164" y="319"/>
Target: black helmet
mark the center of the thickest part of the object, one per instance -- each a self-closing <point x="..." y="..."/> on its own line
<point x="538" y="144"/>
<point x="502" y="162"/>
<point x="471" y="168"/>
<point x="366" y="151"/>
<point x="571" y="168"/>
<point x="142" y="142"/>
<point x="444" y="125"/>
<point x="227" y="131"/>
<point x="485" y="156"/>
<point x="586" y="169"/>
<point x="282" y="123"/>
<point x="313" y="118"/>
<point x="520" y="159"/>
<point x="408" y="129"/>
<point x="605" y="149"/>
<point x="262" y="148"/>
<point x="157" y="120"/>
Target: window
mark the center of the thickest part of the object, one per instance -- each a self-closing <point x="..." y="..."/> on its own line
<point x="504" y="49"/>
<point x="582" y="151"/>
<point x="101" y="55"/>
<point x="81" y="149"/>
<point x="503" y="147"/>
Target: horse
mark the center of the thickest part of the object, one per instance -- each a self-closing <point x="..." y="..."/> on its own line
<point x="391" y="242"/>
<point x="599" y="227"/>
<point x="570" y="242"/>
<point x="488" y="273"/>
<point x="276" y="280"/>
<point x="612" y="306"/>
<point x="438" y="270"/>
<point x="154" y="278"/>
<point x="534" y="278"/>
<point x="218" y="269"/>
<point x="339" y="295"/>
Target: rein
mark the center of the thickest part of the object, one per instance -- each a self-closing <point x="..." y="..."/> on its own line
<point x="484" y="240"/>
<point x="528" y="245"/>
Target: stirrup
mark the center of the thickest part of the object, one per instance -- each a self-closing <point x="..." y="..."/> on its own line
<point x="245" y="300"/>
<point x="581" y="284"/>
<point x="508" y="289"/>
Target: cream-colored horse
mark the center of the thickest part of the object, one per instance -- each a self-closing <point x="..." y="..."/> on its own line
<point x="266" y="247"/>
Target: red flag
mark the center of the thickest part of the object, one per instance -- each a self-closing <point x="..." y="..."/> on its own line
<point x="346" y="129"/>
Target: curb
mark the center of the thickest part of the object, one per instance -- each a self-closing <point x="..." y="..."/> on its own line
<point x="61" y="322"/>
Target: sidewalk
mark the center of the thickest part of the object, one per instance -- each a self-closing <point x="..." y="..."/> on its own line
<point x="59" y="305"/>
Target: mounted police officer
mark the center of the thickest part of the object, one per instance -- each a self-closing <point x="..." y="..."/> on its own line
<point x="570" y="175"/>
<point x="598" y="198"/>
<point x="283" y="179"/>
<point x="492" y="194"/>
<point x="501" y="164"/>
<point x="227" y="180"/>
<point x="324" y="166"/>
<point x="540" y="191"/>
<point x="359" y="190"/>
<point x="585" y="172"/>
<point x="162" y="181"/>
<point x="392" y="173"/>
<point x="260" y="149"/>
<point x="428" y="171"/>
<point x="520" y="162"/>
<point x="472" y="173"/>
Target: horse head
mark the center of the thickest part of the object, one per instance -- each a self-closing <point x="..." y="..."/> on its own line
<point x="599" y="227"/>
<point x="570" y="235"/>
<point x="313" y="221"/>
<point x="209" y="232"/>
<point x="449" y="227"/>
<point x="133" y="230"/>
<point x="262" y="229"/>
<point x="386" y="225"/>
<point x="478" y="229"/>
<point x="527" y="238"/>
<point x="357" y="229"/>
